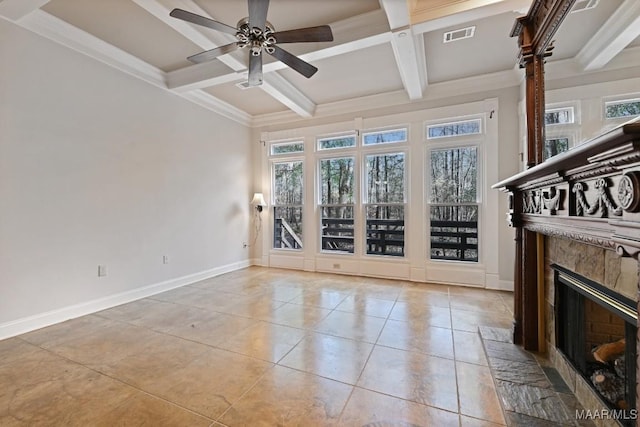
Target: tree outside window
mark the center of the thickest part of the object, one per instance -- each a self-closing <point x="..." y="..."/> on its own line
<point x="385" y="204"/>
<point x="337" y="204"/>
<point x="287" y="205"/>
<point x="454" y="204"/>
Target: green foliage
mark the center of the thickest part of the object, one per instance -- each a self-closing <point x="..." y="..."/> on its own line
<point x="339" y="142"/>
<point x="553" y="146"/>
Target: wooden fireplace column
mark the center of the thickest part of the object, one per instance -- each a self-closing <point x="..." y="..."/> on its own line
<point x="534" y="32"/>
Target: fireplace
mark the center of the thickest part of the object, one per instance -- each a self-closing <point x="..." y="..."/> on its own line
<point x="595" y="330"/>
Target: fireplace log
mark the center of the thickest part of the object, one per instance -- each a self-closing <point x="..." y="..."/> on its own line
<point x="620" y="366"/>
<point x="607" y="352"/>
<point x="610" y="386"/>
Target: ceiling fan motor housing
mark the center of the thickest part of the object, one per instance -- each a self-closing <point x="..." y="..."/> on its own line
<point x="256" y="38"/>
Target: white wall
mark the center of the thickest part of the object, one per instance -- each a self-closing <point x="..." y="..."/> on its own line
<point x="97" y="167"/>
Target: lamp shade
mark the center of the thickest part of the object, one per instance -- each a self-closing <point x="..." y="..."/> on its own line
<point x="258" y="200"/>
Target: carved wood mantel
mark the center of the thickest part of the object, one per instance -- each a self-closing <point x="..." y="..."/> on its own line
<point x="590" y="194"/>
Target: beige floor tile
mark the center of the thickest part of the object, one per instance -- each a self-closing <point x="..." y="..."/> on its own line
<point x="320" y="298"/>
<point x="412" y="376"/>
<point x="135" y="311"/>
<point x="477" y="393"/>
<point x="425" y="297"/>
<point x="418" y="312"/>
<point x="209" y="383"/>
<point x="15" y="349"/>
<point x="209" y="299"/>
<point x="257" y="307"/>
<point x="351" y="325"/>
<point x="380" y="291"/>
<point x="468" y="347"/>
<point x="44" y="389"/>
<point x="367" y="408"/>
<point x="287" y="397"/>
<point x="331" y="357"/>
<point x="298" y="316"/>
<point x="69" y="330"/>
<point x="263" y="340"/>
<point x="474" y="422"/>
<point x="206" y="352"/>
<point x="362" y="304"/>
<point x="493" y="304"/>
<point x="469" y="321"/>
<point x="211" y="329"/>
<point x="420" y="337"/>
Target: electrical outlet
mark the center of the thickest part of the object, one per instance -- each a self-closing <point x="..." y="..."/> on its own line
<point x="165" y="259"/>
<point x="102" y="270"/>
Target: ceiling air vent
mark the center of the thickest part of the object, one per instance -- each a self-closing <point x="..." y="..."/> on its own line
<point x="463" y="33"/>
<point x="581" y="5"/>
<point x="243" y="85"/>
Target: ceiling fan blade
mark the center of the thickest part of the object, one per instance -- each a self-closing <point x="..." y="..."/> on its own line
<point x="201" y="20"/>
<point x="213" y="53"/>
<point x="312" y="34"/>
<point x="294" y="62"/>
<point x="258" y="13"/>
<point x="255" y="70"/>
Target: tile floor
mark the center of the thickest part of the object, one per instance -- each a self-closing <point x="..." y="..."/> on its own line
<point x="264" y="347"/>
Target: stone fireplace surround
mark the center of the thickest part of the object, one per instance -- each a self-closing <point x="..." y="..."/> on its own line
<point x="600" y="265"/>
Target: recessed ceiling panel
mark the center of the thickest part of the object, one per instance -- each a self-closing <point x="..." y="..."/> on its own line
<point x="253" y="100"/>
<point x="291" y="14"/>
<point x="355" y="74"/>
<point x="127" y="26"/>
<point x="578" y="28"/>
<point x="489" y="50"/>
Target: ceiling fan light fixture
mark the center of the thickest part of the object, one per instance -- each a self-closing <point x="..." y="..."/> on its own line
<point x="259" y="35"/>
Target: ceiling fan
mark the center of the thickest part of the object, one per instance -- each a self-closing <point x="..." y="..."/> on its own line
<point x="257" y="34"/>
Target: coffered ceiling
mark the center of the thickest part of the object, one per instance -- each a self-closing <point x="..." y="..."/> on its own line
<point x="384" y="53"/>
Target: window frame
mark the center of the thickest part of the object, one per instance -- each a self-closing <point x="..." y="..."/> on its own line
<point x="477" y="141"/>
<point x="365" y="203"/>
<point x="282" y="159"/>
<point x="332" y="154"/>
<point x="618" y="100"/>
<point x="453" y="121"/>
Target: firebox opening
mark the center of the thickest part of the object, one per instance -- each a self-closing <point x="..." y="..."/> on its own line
<point x="596" y="331"/>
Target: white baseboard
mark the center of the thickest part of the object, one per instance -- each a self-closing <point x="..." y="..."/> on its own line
<point x="31" y="323"/>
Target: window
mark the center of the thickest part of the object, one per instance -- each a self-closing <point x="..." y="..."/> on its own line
<point x="553" y="146"/>
<point x="624" y="108"/>
<point x="337" y="204"/>
<point x="385" y="137"/>
<point x="287" y="204"/>
<point x="287" y="148"/>
<point x="384" y="207"/>
<point x="454" y="204"/>
<point x="444" y="130"/>
<point x="336" y="142"/>
<point x="559" y="116"/>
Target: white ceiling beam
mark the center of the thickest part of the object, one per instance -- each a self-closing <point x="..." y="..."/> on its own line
<point x="622" y="27"/>
<point x="16" y="9"/>
<point x="283" y="91"/>
<point x="505" y="6"/>
<point x="408" y="49"/>
<point x="161" y="9"/>
<point x="290" y="96"/>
